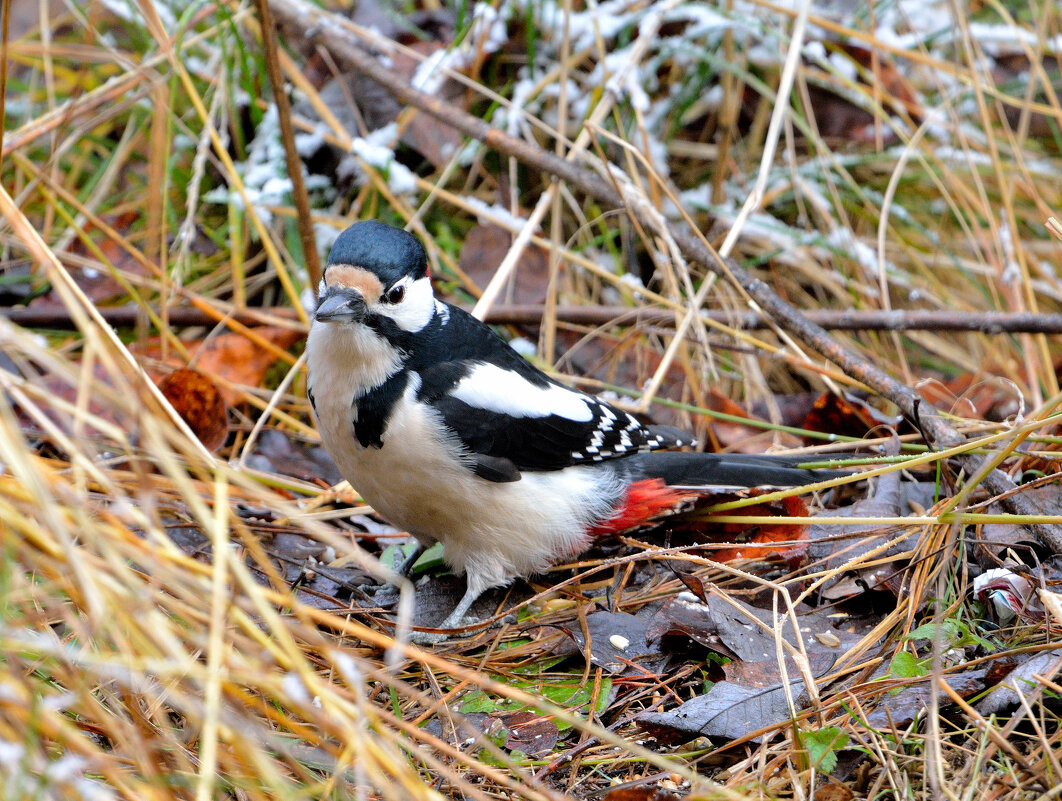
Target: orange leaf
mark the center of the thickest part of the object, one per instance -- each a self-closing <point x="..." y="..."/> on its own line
<point x="230" y="356"/>
<point x="198" y="401"/>
<point x="832" y="414"/>
<point x="765" y="539"/>
<point x="238" y="360"/>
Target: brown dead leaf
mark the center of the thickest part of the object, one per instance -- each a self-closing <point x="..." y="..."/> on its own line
<point x="831" y="790"/>
<point x="764" y="539"/>
<point x="837" y="117"/>
<point x="230" y="356"/>
<point x="434" y="140"/>
<point x="726" y="435"/>
<point x="833" y="414"/>
<point x="530" y="732"/>
<point x="641" y="794"/>
<point x="888" y="77"/>
<point x="97" y="282"/>
<point x="239" y="360"/>
<point x="199" y="402"/>
<point x="484" y="249"/>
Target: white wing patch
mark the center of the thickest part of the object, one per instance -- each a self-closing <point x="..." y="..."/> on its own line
<point x="491" y="387"/>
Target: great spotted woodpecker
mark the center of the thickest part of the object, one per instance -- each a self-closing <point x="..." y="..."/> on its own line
<point x="453" y="436"/>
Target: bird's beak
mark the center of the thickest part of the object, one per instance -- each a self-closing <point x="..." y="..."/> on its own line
<point x="340" y="307"/>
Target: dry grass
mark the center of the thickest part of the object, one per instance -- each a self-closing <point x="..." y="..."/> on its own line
<point x="138" y="669"/>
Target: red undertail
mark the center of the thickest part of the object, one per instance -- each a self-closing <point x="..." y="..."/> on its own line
<point x="643" y="502"/>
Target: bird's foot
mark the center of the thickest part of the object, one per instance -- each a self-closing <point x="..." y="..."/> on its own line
<point x="429" y="637"/>
<point x="454" y="621"/>
<point x="404" y="567"/>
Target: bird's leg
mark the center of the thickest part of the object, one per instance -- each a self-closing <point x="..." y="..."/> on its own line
<point x="404" y="567"/>
<point x="453" y="620"/>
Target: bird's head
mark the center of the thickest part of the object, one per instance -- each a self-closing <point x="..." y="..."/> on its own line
<point x="376" y="275"/>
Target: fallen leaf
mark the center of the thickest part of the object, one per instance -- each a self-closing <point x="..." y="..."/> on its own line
<point x="466" y="729"/>
<point x="996" y="538"/>
<point x="616" y="640"/>
<point x="729" y="711"/>
<point x="530" y="732"/>
<point x="830" y="790"/>
<point x="749" y="541"/>
<point x="199" y="402"/>
<point x="484" y="248"/>
<point x="735" y="632"/>
<point x="733" y="437"/>
<point x="764" y="539"/>
<point x="839" y="416"/>
<point x="883" y="72"/>
<point x="832" y="546"/>
<point x="437" y="596"/>
<point x="229" y="356"/>
<point x="97" y="282"/>
<point x="901" y="709"/>
<point x="1004" y="695"/>
<point x="238" y="360"/>
<point x="767" y="673"/>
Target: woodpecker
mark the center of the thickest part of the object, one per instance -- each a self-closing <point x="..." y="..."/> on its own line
<point x="451" y="435"/>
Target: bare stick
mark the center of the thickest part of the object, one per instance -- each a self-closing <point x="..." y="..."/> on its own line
<point x="530" y="314"/>
<point x="287" y="135"/>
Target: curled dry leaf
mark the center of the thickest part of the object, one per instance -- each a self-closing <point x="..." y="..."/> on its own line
<point x="760" y="540"/>
<point x="199" y="402"/>
<point x="833" y="414"/>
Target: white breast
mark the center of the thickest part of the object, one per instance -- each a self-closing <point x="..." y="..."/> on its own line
<point x="491" y="531"/>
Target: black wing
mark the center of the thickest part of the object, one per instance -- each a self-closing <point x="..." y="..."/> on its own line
<point x="509" y="414"/>
<point x="529" y="421"/>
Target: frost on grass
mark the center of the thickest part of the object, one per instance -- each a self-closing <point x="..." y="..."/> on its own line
<point x="495" y="214"/>
<point x="264" y="174"/>
<point x="376" y="151"/>
<point x="487" y="33"/>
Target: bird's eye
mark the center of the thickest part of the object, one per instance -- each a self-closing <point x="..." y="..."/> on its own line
<point x="396" y="293"/>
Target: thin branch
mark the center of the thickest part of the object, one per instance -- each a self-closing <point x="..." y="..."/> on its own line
<point x="531" y="314"/>
<point x="287" y="135"/>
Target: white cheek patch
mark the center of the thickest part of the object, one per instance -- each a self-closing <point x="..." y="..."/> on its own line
<point x="491" y="387"/>
<point x="415" y="309"/>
